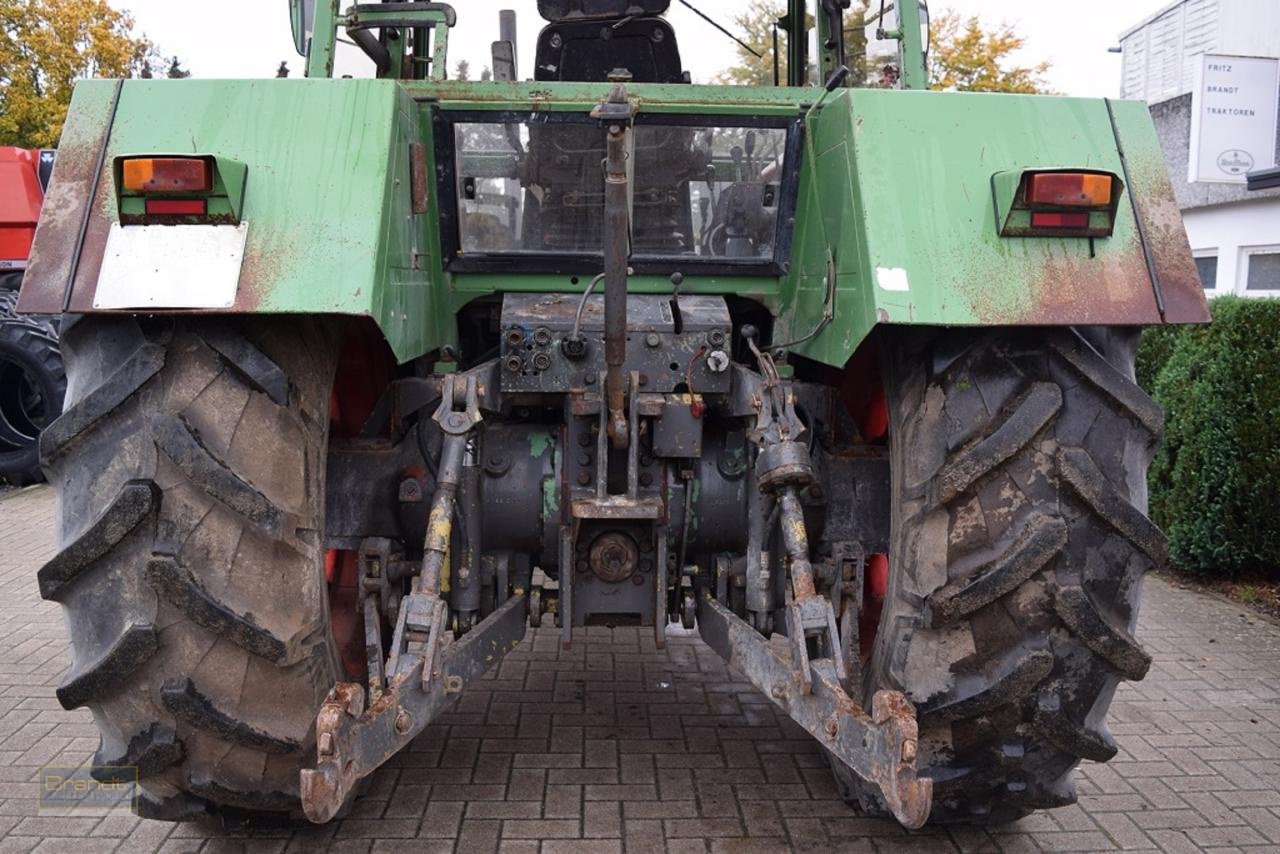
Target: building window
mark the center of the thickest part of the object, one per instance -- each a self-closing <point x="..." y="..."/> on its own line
<point x="1207" y="266"/>
<point x="1262" y="271"/>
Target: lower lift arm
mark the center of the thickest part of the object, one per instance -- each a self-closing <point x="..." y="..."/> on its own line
<point x="425" y="672"/>
<point x="810" y="684"/>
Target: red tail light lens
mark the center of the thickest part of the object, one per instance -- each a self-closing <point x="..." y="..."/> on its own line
<point x="1048" y="219"/>
<point x="168" y="175"/>
<point x="177" y="207"/>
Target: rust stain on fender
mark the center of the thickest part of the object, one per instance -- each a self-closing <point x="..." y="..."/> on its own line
<point x="45" y="285"/>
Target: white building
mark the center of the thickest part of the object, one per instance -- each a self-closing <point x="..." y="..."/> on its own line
<point x="1235" y="234"/>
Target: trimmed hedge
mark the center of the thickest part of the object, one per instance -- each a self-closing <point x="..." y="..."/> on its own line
<point x="1215" y="485"/>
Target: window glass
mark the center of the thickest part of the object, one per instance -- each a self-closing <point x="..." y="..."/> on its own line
<point x="1208" y="269"/>
<point x="490" y="201"/>
<point x="724" y="202"/>
<point x="1264" y="271"/>
<point x="709" y="193"/>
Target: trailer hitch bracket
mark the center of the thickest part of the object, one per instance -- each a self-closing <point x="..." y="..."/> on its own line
<point x="352" y="741"/>
<point x="880" y="747"/>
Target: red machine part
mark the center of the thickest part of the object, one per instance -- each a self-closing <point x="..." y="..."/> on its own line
<point x="365" y="370"/>
<point x="862" y="388"/>
<point x="20" y="199"/>
<point x="876" y="586"/>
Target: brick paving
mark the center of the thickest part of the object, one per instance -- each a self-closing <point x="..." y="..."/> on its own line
<point x="618" y="747"/>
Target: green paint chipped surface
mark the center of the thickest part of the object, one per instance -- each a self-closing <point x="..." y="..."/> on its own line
<point x="539" y="441"/>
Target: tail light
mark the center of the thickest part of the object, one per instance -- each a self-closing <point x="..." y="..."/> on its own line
<point x="1051" y="219"/>
<point x="176" y="189"/>
<point x="1069" y="189"/>
<point x="168" y="175"/>
<point x="177" y="207"/>
<point x="1056" y="202"/>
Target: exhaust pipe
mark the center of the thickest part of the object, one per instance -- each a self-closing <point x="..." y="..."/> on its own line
<point x="506" y="63"/>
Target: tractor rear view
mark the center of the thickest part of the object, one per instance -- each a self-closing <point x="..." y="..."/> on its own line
<point x="369" y="375"/>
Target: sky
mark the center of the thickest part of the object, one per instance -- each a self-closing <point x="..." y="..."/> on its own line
<point x="249" y="38"/>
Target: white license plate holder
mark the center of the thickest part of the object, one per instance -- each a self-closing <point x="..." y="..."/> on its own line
<point x="171" y="266"/>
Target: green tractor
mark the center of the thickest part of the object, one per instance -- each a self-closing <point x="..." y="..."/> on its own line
<point x="365" y="376"/>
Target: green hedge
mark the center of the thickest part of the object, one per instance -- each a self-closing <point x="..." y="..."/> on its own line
<point x="1215" y="485"/>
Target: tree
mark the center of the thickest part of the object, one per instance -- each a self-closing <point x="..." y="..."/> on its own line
<point x="754" y="25"/>
<point x="966" y="58"/>
<point x="283" y="71"/>
<point x="462" y="71"/>
<point x="45" y="46"/>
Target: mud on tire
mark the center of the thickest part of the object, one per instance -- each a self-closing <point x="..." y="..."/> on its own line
<point x="189" y="467"/>
<point x="1019" y="542"/>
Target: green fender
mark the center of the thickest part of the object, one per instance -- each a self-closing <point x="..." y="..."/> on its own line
<point x="902" y="196"/>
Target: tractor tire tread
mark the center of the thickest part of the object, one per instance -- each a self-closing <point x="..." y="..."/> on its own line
<point x="1016" y="681"/>
<point x="1042" y="538"/>
<point x="85" y="414"/>
<point x="255" y="366"/>
<point x="178" y="479"/>
<point x="136" y="501"/>
<point x="149" y="753"/>
<point x="180" y="587"/>
<point x="1022" y="457"/>
<point x="1011" y="434"/>
<point x="181" y="443"/>
<point x="32" y="344"/>
<point x="185" y="702"/>
<point x="1067" y="735"/>
<point x="108" y="674"/>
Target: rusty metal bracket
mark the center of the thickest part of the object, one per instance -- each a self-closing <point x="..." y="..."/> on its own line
<point x="424" y="615"/>
<point x="375" y="598"/>
<point x="782" y="468"/>
<point x="880" y="748"/>
<point x="352" y="741"/>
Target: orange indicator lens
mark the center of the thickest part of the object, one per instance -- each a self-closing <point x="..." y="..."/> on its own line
<point x="1069" y="189"/>
<point x="167" y="175"/>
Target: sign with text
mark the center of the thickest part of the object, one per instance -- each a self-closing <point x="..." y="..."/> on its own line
<point x="1233" y="117"/>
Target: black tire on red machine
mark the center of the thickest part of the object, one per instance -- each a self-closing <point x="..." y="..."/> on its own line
<point x="32" y="386"/>
<point x="1018" y="546"/>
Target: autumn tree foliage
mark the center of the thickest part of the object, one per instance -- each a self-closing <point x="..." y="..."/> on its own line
<point x="964" y="57"/>
<point x="46" y="45"/>
<point x="754" y="25"/>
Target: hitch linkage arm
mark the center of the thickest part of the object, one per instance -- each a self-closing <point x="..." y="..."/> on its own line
<point x="810" y="687"/>
<point x="355" y="734"/>
<point x="880" y="748"/>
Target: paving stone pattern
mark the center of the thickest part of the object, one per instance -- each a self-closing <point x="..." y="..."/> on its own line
<point x="616" y="747"/>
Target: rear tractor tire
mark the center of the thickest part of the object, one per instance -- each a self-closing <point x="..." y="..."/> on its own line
<point x="1018" y="545"/>
<point x="190" y="470"/>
